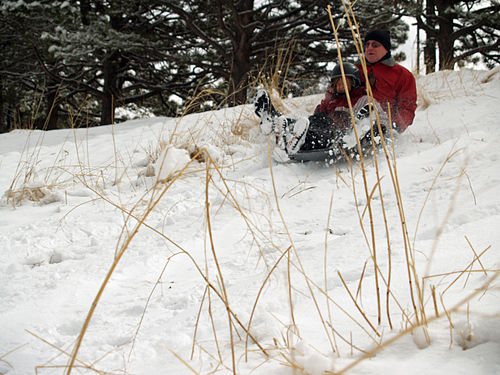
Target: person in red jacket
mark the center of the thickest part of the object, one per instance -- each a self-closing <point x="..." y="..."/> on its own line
<point x="390" y="82"/>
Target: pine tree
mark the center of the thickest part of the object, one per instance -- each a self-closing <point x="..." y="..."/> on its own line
<point x="464" y="31"/>
<point x="91" y="53"/>
<point x="96" y="55"/>
<point x="109" y="53"/>
<point x="235" y="41"/>
<point x="22" y="80"/>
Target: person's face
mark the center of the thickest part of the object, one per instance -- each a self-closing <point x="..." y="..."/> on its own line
<point x="374" y="51"/>
<point x="339" y="85"/>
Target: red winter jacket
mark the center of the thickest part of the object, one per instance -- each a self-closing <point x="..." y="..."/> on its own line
<point x="332" y="101"/>
<point x="394" y="84"/>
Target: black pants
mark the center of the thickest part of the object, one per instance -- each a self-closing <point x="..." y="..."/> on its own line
<point x="325" y="131"/>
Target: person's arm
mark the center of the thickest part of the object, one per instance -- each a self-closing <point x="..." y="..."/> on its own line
<point x="406" y="102"/>
<point x="324" y="106"/>
<point x="319" y="108"/>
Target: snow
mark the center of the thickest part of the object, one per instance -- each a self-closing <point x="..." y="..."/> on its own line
<point x="278" y="245"/>
<point x="170" y="161"/>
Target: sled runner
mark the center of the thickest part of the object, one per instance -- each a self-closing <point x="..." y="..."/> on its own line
<point x="327" y="155"/>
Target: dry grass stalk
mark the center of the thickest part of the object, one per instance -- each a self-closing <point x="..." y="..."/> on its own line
<point x="275" y="81"/>
<point x="3" y="356"/>
<point x="357" y="305"/>
<point x="362" y="164"/>
<point x="412" y="274"/>
<point x="154" y="200"/>
<point x="476" y="256"/>
<point x="410" y="329"/>
<point x="61" y="351"/>
<point x="434" y="300"/>
<point x="198" y="320"/>
<point x="118" y="255"/>
<point x="431" y="189"/>
<point x="258" y="296"/>
<point x="448" y="316"/>
<point x="460" y="272"/>
<point x="333" y="302"/>
<point x="299" y="265"/>
<point x="184" y="362"/>
<point x="24" y="184"/>
<point x="466" y="270"/>
<point x="219" y="271"/>
<point x="212" y="324"/>
<point x="292" y="317"/>
<point x="360" y="283"/>
<point x="325" y="272"/>
<point x="348" y="342"/>
<point x="158" y="281"/>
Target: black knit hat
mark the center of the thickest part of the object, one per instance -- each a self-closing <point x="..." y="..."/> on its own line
<point x="381" y="36"/>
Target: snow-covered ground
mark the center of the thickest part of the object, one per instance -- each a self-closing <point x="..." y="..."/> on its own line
<point x="240" y="265"/>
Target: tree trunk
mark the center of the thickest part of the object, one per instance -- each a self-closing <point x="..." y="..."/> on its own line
<point x="109" y="72"/>
<point x="445" y="38"/>
<point x="107" y="109"/>
<point x="52" y="115"/>
<point x="3" y="113"/>
<point x="240" y="64"/>
<point x="430" y="41"/>
<point x="239" y="79"/>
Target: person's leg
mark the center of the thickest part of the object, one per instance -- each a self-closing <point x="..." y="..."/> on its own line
<point x="325" y="131"/>
<point x="271" y="121"/>
<point x="288" y="134"/>
<point x="362" y="114"/>
<point x="265" y="110"/>
<point x="318" y="131"/>
<point x="365" y="111"/>
<point x="296" y="133"/>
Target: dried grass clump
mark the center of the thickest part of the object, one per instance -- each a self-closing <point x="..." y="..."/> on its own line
<point x="197" y="155"/>
<point x="424" y="97"/>
<point x="30" y="193"/>
<point x="493" y="73"/>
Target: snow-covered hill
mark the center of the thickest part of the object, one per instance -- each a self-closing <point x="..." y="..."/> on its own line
<point x="236" y="264"/>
